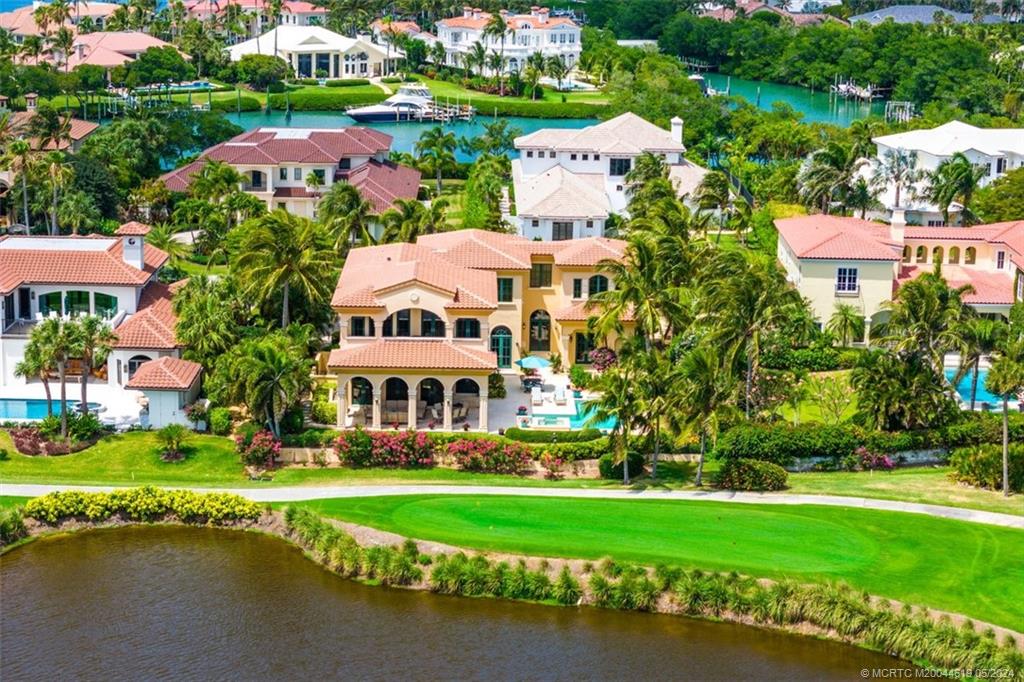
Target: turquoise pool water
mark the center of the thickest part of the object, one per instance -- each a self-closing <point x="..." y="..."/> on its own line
<point x="31" y="408"/>
<point x="964" y="388"/>
<point x="579" y="420"/>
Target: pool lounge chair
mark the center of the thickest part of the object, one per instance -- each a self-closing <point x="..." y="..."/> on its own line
<point x="536" y="396"/>
<point x="560" y="395"/>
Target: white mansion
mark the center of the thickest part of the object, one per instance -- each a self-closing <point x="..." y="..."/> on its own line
<point x="537" y="31"/>
<point x="568" y="182"/>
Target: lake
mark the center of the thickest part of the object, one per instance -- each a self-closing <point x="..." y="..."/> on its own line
<point x="817" y="106"/>
<point x="164" y="602"/>
<point x="405" y="134"/>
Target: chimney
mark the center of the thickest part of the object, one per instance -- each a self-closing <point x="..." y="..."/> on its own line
<point x="80" y="50"/>
<point x="897" y="225"/>
<point x="133" y="236"/>
<point x="542" y="15"/>
<point x="476" y="12"/>
<point x="31" y="100"/>
<point x="677" y="129"/>
<point x="467" y="12"/>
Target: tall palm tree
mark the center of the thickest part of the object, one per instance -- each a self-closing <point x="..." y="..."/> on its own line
<point x="33" y="46"/>
<point x="1005" y="379"/>
<point x="63" y="41"/>
<point x="59" y="173"/>
<point x="846" y="323"/>
<point x="78" y="211"/>
<point x="438" y="53"/>
<point x="208" y="316"/>
<point x="281" y="251"/>
<point x="978" y="337"/>
<point x="862" y="131"/>
<point x="214" y="181"/>
<point x="531" y="79"/>
<point x="403" y="221"/>
<point x="829" y="174"/>
<point x="20" y="159"/>
<point x="955" y="179"/>
<point x="477" y="56"/>
<point x="162" y="238"/>
<point x="37" y="364"/>
<point x="50" y="128"/>
<point x="496" y="63"/>
<point x="438" y="146"/>
<point x="95" y="342"/>
<point x="274" y="374"/>
<point x="58" y="340"/>
<point x="898" y="168"/>
<point x="346" y="216"/>
<point x="863" y="197"/>
<point x="497" y="27"/>
<point x="705" y="393"/>
<point x="618" y="401"/>
<point x="275" y="7"/>
<point x="556" y="68"/>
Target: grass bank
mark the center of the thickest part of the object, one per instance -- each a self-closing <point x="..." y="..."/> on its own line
<point x="950" y="565"/>
<point x="547" y="105"/>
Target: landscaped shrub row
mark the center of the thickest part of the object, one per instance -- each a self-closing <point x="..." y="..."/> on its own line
<point x="244" y="103"/>
<point x="811" y="358"/>
<point x="982" y="466"/>
<point x="608" y="468"/>
<point x="341" y="553"/>
<point x="347" y="82"/>
<point x="143" y="504"/>
<point x="326" y="100"/>
<point x="488" y="456"/>
<point x="543" y="436"/>
<point x="750" y="474"/>
<point x="389" y="449"/>
<point x="785" y="443"/>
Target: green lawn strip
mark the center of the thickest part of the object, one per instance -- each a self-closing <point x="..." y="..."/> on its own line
<point x="8" y="501"/>
<point x="973" y="569"/>
<point x="550" y="105"/>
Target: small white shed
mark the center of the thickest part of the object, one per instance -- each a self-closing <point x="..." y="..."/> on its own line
<point x="169" y="384"/>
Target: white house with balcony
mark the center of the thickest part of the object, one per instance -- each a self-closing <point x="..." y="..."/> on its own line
<point x="537" y="31"/>
<point x="996" y="150"/>
<point x="291" y="168"/>
<point x="568" y="182"/>
<point x="313" y="51"/>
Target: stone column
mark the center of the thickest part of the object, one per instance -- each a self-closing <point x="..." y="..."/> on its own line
<point x="447" y="410"/>
<point x="483" y="411"/>
<point x="342" y="398"/>
<point x="411" y="397"/>
<point x="376" y="409"/>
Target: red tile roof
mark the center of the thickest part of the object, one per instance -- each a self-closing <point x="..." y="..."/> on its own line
<point x="514" y="21"/>
<point x="578" y="312"/>
<point x="412" y="354"/>
<point x="78" y="131"/>
<point x="382" y="184"/>
<point x="133" y="228"/>
<point x="24" y="260"/>
<point x="165" y="374"/>
<point x="152" y="325"/>
<point x="993" y="288"/>
<point x="836" y="238"/>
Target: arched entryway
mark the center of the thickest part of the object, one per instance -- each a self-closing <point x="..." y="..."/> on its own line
<point x="395" y="404"/>
<point x="430" y="404"/>
<point x="540" y="331"/>
<point x="466" y="404"/>
<point x="501" y="345"/>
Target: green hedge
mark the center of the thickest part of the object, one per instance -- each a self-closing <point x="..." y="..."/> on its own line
<point x="143" y="504"/>
<point x="325" y="100"/>
<point x="347" y="82"/>
<point x="982" y="466"/>
<point x="750" y="474"/>
<point x="549" y="437"/>
<point x="246" y="103"/>
<point x="609" y="469"/>
<point x="537" y="109"/>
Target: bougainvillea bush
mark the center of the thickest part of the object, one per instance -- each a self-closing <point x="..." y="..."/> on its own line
<point x="259" y="449"/>
<point x="602" y="358"/>
<point x="391" y="450"/>
<point x="487" y="456"/>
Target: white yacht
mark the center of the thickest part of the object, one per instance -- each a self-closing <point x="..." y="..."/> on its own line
<point x="412" y="102"/>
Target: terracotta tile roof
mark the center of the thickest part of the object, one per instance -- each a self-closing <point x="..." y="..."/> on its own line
<point x="133" y="228"/>
<point x="514" y="21"/>
<point x="165" y="374"/>
<point x="835" y="238"/>
<point x="382" y="184"/>
<point x="412" y="354"/>
<point x="79" y="130"/>
<point x="589" y="251"/>
<point x="93" y="261"/>
<point x="625" y="134"/>
<point x="578" y="312"/>
<point x="1010" y="234"/>
<point x="559" y="193"/>
<point x="994" y="288"/>
<point x="152" y="325"/>
<point x="480" y="249"/>
<point x="300" y="7"/>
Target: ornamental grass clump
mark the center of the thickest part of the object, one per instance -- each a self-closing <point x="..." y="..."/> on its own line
<point x="143" y="504"/>
<point x="12" y="526"/>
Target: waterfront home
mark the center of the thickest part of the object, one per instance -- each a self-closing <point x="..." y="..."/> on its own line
<point x="568" y="182"/>
<point x="107" y="50"/>
<point x="748" y="8"/>
<point x="921" y="14"/>
<point x="997" y="150"/>
<point x="115" y="278"/>
<point x="291" y="168"/>
<point x="422" y="326"/>
<point x="527" y="34"/>
<point x="21" y="22"/>
<point x="313" y="51"/>
<point x="384" y="32"/>
<point x="833" y="260"/>
<point x="256" y="16"/>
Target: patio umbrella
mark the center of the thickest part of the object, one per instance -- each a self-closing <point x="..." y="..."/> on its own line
<point x="533" y="362"/>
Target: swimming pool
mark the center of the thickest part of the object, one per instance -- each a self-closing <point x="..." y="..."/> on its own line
<point x="32" y="408"/>
<point x="964" y="388"/>
<point x="577" y="421"/>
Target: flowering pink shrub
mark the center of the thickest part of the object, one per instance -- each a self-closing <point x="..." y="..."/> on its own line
<point x="258" y="450"/>
<point x="399" y="450"/>
<point x="554" y="466"/>
<point x="870" y="461"/>
<point x="488" y="456"/>
<point x="30" y="441"/>
<point x="603" y="358"/>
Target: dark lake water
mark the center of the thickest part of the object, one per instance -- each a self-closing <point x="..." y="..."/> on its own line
<point x="176" y="603"/>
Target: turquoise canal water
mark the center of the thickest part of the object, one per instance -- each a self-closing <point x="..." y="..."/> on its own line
<point x="405" y="134"/>
<point x="816" y="106"/>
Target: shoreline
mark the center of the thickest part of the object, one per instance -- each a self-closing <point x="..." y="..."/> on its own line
<point x="272" y="523"/>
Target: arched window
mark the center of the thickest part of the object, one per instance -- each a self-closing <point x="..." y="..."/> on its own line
<point x="954" y="255"/>
<point x="77" y="303"/>
<point x="135" y="362"/>
<point x="937" y="255"/>
<point x="501" y="345"/>
<point x="362" y="391"/>
<point x="540" y="331"/>
<point x="50" y="303"/>
<point x="597" y="284"/>
<point x="106" y="305"/>
<point x="906" y="254"/>
<point x="431" y="325"/>
<point x="922" y="255"/>
<point x="970" y="255"/>
<point x="467" y="328"/>
<point x="467" y="387"/>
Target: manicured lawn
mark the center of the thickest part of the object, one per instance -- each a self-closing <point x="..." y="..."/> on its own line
<point x="7" y="501"/>
<point x="966" y="568"/>
<point x="810" y="410"/>
<point x="549" y="104"/>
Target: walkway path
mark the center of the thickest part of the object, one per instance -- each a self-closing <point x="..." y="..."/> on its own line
<point x="299" y="493"/>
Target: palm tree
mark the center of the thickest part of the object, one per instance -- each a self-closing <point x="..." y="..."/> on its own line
<point x="95" y="340"/>
<point x="59" y="173"/>
<point x="898" y="168"/>
<point x="63" y="41"/>
<point x="50" y="128"/>
<point x="862" y="131"/>
<point x="647" y="167"/>
<point x="829" y="174"/>
<point x="438" y="53"/>
<point x="33" y="46"/>
<point x="497" y="27"/>
<point x="281" y="251"/>
<point x="978" y="337"/>
<point x="215" y="181"/>
<point x="208" y="314"/>
<point x="162" y="237"/>
<point x="37" y="364"/>
<point x="556" y="68"/>
<point x="955" y="179"/>
<point x="275" y="13"/>
<point x="20" y="159"/>
<point x="617" y="401"/>
<point x="706" y="393"/>
<point x="78" y="211"/>
<point x="346" y="216"/>
<point x="58" y="340"/>
<point x="863" y="197"/>
<point x="1006" y="379"/>
<point x="531" y="79"/>
<point x="477" y="56"/>
<point x="846" y="323"/>
<point x="496" y="63"/>
<point x="438" y="146"/>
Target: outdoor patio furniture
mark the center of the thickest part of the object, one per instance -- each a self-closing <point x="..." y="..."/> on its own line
<point x="536" y="396"/>
<point x="560" y="395"/>
<point x="460" y="413"/>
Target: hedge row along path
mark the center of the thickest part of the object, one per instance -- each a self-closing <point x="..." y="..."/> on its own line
<point x="305" y="493"/>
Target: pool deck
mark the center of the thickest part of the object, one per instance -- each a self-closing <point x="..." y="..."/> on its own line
<point x="120" y="407"/>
